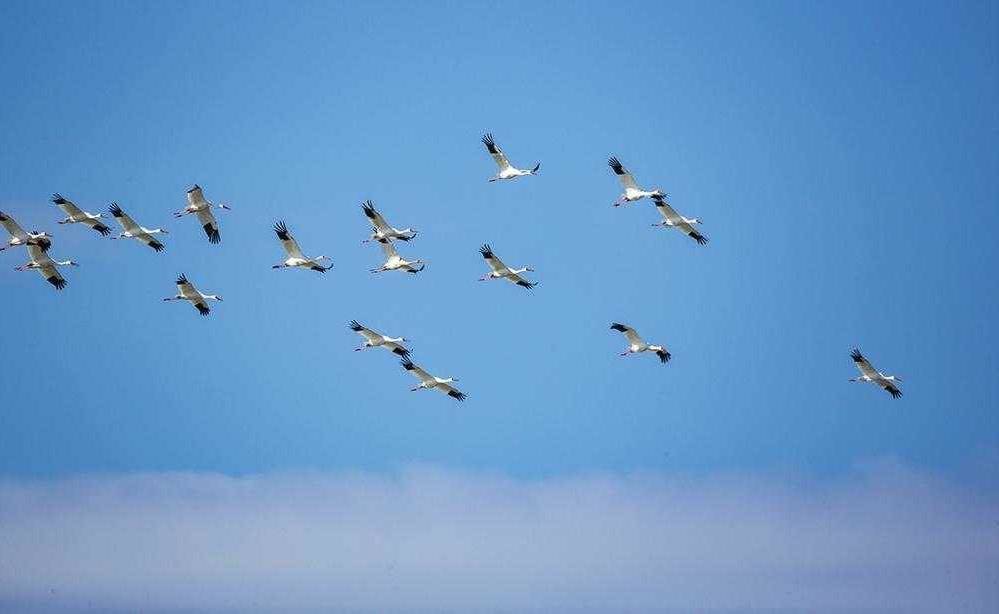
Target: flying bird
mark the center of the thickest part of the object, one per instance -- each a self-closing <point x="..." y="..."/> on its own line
<point x="295" y="257"/>
<point x="197" y="205"/>
<point x="672" y="219"/>
<point x="373" y="338"/>
<point x="395" y="262"/>
<point x="134" y="231"/>
<point x="187" y="292"/>
<point x="77" y="215"/>
<point x="46" y="266"/>
<point x="18" y="237"/>
<point x="631" y="190"/>
<point x="428" y="381"/>
<point x="382" y="229"/>
<point x="500" y="270"/>
<point x="636" y="345"/>
<point x="506" y="170"/>
<point x="869" y="374"/>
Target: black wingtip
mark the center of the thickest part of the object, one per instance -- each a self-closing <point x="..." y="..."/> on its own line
<point x="193" y="188"/>
<point x="701" y="239"/>
<point x="203" y="309"/>
<point x="618" y="327"/>
<point x="57" y="282"/>
<point x="369" y="208"/>
<point x="486" y="251"/>
<point x="157" y="246"/>
<point x="182" y="279"/>
<point x="401" y="351"/>
<point x="526" y="284"/>
<point x="536" y="168"/>
<point x="615" y="164"/>
<point x="407" y="364"/>
<point x="355" y="325"/>
<point x="490" y="143"/>
<point x="455" y="394"/>
<point x="101" y="228"/>
<point x="894" y="392"/>
<point x="213" y="234"/>
<point x="58" y="199"/>
<point x="281" y="230"/>
<point x="664" y="356"/>
<point x="856" y="355"/>
<point x="115" y="210"/>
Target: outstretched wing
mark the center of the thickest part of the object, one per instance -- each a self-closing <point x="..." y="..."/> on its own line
<point x="287" y="241"/>
<point x="52" y="275"/>
<point x="374" y="217"/>
<point x="68" y="206"/>
<point x="669" y="214"/>
<point x="99" y="226"/>
<point x="195" y="197"/>
<point x="186" y="288"/>
<point x="629" y="333"/>
<point x="626" y="178"/>
<point x="126" y="221"/>
<point x="495" y="152"/>
<point x="12" y="227"/>
<point x="397" y="349"/>
<point x="364" y="331"/>
<point x="388" y="248"/>
<point x="211" y="226"/>
<point x="452" y="392"/>
<point x="663" y="355"/>
<point x="866" y="368"/>
<point x="494" y="263"/>
<point x="520" y="281"/>
<point x="417" y="372"/>
<point x="892" y="390"/>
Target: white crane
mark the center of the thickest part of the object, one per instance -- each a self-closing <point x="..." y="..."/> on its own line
<point x="134" y="231"/>
<point x="506" y="170"/>
<point x="382" y="229"/>
<point x="428" y="381"/>
<point x="631" y="190"/>
<point x="637" y="345"/>
<point x="18" y="237"/>
<point x="197" y="205"/>
<point x="41" y="262"/>
<point x="295" y="257"/>
<point x="373" y="338"/>
<point x="501" y="271"/>
<point x="869" y="374"/>
<point x="672" y="219"/>
<point x="187" y="292"/>
<point x="395" y="262"/>
<point x="76" y="215"/>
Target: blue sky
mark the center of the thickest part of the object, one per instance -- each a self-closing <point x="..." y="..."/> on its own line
<point x="843" y="159"/>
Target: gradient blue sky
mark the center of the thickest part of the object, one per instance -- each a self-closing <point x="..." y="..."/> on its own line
<point x="842" y="156"/>
<point x="843" y="159"/>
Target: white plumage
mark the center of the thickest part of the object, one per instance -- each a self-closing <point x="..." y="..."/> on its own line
<point x="295" y="257"/>
<point x="428" y="381"/>
<point x="76" y="215"/>
<point x="395" y="262"/>
<point x="382" y="229"/>
<point x="871" y="375"/>
<point x="187" y="292"/>
<point x="131" y="230"/>
<point x="672" y="219"/>
<point x="637" y="345"/>
<point x="46" y="266"/>
<point x="498" y="270"/>
<point x="20" y="238"/>
<point x="199" y="206"/>
<point x="506" y="170"/>
<point x="632" y="191"/>
<point x="373" y="338"/>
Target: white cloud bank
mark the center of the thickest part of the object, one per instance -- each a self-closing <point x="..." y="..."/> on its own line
<point x="887" y="539"/>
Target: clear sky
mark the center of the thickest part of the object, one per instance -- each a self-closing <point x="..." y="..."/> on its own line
<point x="842" y="157"/>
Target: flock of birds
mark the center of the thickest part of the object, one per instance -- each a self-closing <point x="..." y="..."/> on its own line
<point x="386" y="235"/>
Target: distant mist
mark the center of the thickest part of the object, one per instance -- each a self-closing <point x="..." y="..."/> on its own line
<point x="436" y="540"/>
